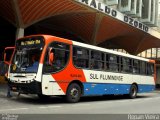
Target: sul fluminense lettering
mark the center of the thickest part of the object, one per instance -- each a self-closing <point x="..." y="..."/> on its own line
<point x="105" y="77"/>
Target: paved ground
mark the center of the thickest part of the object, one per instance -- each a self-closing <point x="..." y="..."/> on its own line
<point x="30" y="104"/>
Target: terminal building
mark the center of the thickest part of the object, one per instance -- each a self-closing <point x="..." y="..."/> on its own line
<point x="145" y="11"/>
<point x="131" y="26"/>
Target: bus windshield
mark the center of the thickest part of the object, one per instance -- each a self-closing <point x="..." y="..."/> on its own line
<point x="27" y="56"/>
<point x="26" y="60"/>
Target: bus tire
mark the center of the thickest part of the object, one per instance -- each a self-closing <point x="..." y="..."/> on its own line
<point x="73" y="93"/>
<point x="133" y="91"/>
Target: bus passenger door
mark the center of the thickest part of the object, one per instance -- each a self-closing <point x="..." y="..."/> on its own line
<point x="8" y="54"/>
<point x="55" y="61"/>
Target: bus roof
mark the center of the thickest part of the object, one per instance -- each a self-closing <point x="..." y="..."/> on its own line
<point x="109" y="51"/>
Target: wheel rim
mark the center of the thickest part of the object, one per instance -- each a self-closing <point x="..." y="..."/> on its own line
<point x="134" y="91"/>
<point x="74" y="93"/>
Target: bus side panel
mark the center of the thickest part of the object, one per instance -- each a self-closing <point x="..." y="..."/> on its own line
<point x="99" y="83"/>
<point x="104" y="88"/>
<point x="50" y="86"/>
<point x="146" y="88"/>
<point x="143" y="87"/>
<point x="68" y="75"/>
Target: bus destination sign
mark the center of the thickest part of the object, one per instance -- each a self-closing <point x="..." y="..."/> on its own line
<point x="30" y="42"/>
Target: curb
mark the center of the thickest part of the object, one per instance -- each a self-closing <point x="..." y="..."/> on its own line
<point x="157" y="91"/>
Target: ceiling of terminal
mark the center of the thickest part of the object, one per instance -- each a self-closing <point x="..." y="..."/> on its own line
<point x="89" y="24"/>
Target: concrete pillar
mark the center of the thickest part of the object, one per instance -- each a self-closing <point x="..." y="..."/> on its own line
<point x="19" y="33"/>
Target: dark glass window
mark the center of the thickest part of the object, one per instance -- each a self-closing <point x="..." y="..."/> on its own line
<point x="143" y="68"/>
<point x="26" y="60"/>
<point x="126" y="65"/>
<point x="81" y="57"/>
<point x="112" y="62"/>
<point x="150" y="69"/>
<point x="136" y="65"/>
<point x="97" y="60"/>
<point x="61" y="57"/>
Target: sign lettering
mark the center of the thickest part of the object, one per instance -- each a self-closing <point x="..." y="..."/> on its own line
<point x="109" y="11"/>
<point x="106" y="77"/>
<point x="31" y="42"/>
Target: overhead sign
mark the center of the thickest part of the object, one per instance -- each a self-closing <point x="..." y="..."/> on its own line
<point x="115" y="14"/>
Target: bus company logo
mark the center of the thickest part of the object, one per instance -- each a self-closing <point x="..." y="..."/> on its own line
<point x="9" y="117"/>
<point x="143" y="117"/>
<point x="111" y="12"/>
<point x="76" y="75"/>
<point x="106" y="77"/>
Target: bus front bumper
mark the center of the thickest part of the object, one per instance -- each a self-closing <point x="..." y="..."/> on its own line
<point x="26" y="88"/>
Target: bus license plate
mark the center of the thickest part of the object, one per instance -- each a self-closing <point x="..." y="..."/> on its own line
<point x="14" y="88"/>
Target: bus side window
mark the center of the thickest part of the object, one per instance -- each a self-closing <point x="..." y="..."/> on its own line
<point x="80" y="57"/>
<point x="136" y="66"/>
<point x="107" y="62"/>
<point x="143" y="68"/>
<point x="113" y="63"/>
<point x="150" y="69"/>
<point x="60" y="52"/>
<point x="97" y="60"/>
<point x="126" y="65"/>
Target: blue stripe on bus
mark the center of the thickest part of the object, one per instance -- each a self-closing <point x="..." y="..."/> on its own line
<point x="102" y="89"/>
<point x="146" y="88"/>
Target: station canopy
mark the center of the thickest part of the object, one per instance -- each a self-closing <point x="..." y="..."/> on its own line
<point x="92" y="21"/>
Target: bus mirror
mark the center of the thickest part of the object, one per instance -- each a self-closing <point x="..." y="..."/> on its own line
<point x="51" y="58"/>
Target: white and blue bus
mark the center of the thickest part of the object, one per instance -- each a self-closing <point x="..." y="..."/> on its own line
<point x="75" y="69"/>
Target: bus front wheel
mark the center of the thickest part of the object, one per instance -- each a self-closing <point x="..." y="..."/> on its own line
<point x="133" y="91"/>
<point x="73" y="93"/>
